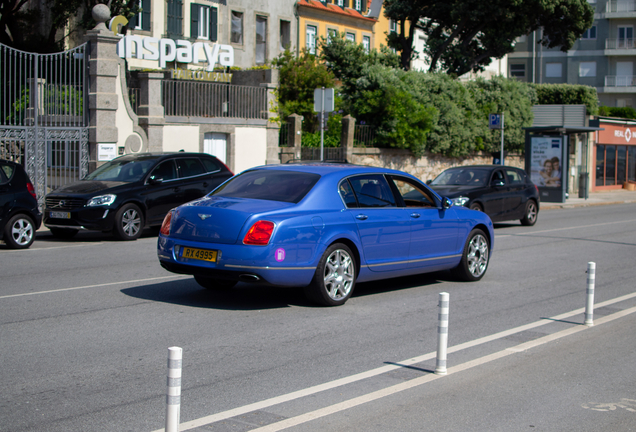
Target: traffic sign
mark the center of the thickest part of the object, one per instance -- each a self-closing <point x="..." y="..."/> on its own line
<point x="324" y="99"/>
<point x="494" y="121"/>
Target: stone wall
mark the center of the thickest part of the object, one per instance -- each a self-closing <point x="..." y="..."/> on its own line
<point x="426" y="167"/>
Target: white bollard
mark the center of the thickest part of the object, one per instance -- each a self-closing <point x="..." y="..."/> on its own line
<point x="442" y="334"/>
<point x="589" y="303"/>
<point x="173" y="396"/>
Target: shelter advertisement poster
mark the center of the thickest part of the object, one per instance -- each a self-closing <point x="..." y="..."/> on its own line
<point x="545" y="162"/>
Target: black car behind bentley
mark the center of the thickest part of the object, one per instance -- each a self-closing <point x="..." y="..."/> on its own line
<point x="502" y="192"/>
<point x="131" y="192"/>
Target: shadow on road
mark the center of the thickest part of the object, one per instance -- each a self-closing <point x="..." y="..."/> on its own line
<point x="187" y="292"/>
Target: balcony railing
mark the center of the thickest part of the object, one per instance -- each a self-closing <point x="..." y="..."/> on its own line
<point x="616" y="44"/>
<point x="620" y="81"/>
<point x="200" y="99"/>
<point x="620" y="6"/>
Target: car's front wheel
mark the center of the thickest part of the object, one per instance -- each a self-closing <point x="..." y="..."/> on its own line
<point x="531" y="214"/>
<point x="475" y="257"/>
<point x="335" y="277"/>
<point x="19" y="233"/>
<point x="214" y="284"/>
<point x="129" y="222"/>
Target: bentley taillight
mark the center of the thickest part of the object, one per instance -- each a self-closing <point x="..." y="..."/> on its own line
<point x="165" y="226"/>
<point x="259" y="234"/>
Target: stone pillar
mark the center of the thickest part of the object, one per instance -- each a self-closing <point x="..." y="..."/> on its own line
<point x="346" y="137"/>
<point x="151" y="110"/>
<point x="295" y="134"/>
<point x="102" y="96"/>
<point x="273" y="128"/>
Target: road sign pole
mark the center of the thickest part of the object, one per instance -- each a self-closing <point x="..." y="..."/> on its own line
<point x="322" y="126"/>
<point x="501" y="157"/>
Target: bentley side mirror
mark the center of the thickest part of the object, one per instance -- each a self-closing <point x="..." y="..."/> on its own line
<point x="446" y="203"/>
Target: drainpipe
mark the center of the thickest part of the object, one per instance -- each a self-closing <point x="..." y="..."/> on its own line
<point x="297" y="15"/>
<point x="534" y="56"/>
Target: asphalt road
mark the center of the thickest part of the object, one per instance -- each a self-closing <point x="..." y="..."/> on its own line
<point x="85" y="326"/>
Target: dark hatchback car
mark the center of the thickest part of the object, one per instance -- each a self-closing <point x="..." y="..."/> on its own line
<point x="131" y="192"/>
<point x="502" y="192"/>
<point x="19" y="214"/>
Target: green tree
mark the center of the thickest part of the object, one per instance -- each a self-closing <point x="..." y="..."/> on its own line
<point x="298" y="77"/>
<point x="383" y="98"/>
<point x="44" y="29"/>
<point x="463" y="35"/>
<point x="511" y="97"/>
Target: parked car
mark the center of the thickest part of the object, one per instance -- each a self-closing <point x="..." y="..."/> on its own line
<point x="20" y="216"/>
<point x="502" y="192"/>
<point x="323" y="227"/>
<point x="131" y="192"/>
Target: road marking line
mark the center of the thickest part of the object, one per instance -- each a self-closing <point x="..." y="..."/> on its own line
<point x="565" y="228"/>
<point x="92" y="286"/>
<point x="384" y="369"/>
<point x="351" y="403"/>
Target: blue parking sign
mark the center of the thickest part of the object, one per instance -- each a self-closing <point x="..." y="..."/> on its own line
<point x="494" y="121"/>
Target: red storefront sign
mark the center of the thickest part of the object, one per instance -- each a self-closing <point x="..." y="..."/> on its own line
<point x="619" y="134"/>
<point x="614" y="155"/>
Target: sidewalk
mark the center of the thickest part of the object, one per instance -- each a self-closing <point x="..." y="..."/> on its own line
<point x="619" y="196"/>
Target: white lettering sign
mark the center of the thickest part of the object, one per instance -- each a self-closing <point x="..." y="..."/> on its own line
<point x="627" y="134"/>
<point x="181" y="51"/>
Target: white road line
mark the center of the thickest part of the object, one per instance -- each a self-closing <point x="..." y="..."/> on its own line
<point x="92" y="286"/>
<point x="565" y="228"/>
<point x="384" y="369"/>
<point x="351" y="403"/>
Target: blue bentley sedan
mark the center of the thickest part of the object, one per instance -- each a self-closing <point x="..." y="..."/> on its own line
<point x="323" y="227"/>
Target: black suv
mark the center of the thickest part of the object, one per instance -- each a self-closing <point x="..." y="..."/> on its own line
<point x="131" y="192"/>
<point x="19" y="213"/>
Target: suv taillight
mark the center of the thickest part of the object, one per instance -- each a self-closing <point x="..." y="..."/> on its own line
<point x="259" y="234"/>
<point x="31" y="189"/>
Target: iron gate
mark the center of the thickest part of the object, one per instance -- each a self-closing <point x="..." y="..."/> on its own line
<point x="44" y="115"/>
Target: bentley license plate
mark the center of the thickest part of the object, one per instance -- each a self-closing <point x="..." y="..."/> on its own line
<point x="199" y="254"/>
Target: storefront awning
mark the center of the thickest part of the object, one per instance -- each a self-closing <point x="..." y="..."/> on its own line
<point x="563" y="129"/>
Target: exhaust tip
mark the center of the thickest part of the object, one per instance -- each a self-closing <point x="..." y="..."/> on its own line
<point x="249" y="278"/>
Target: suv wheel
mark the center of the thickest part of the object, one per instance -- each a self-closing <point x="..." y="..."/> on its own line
<point x="129" y="222"/>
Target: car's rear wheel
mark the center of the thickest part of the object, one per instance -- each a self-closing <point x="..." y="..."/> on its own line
<point x="19" y="233"/>
<point x="215" y="284"/>
<point x="531" y="214"/>
<point x="335" y="277"/>
<point x="64" y="233"/>
<point x="475" y="257"/>
<point x="476" y="206"/>
<point x="129" y="222"/>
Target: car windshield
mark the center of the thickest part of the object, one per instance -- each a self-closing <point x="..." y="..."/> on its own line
<point x="122" y="169"/>
<point x="462" y="177"/>
<point x="286" y="186"/>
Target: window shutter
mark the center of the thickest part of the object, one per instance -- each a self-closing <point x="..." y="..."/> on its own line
<point x="132" y="23"/>
<point x="145" y="15"/>
<point x="364" y="6"/>
<point x="194" y="20"/>
<point x="213" y="24"/>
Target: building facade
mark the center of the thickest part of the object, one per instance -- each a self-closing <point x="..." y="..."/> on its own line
<point x="603" y="57"/>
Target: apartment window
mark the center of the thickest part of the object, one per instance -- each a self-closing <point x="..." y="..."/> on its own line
<point x="285" y="34"/>
<point x="589" y="33"/>
<point x="518" y="70"/>
<point x="587" y="69"/>
<point x="237" y="28"/>
<point x="311" y="39"/>
<point x="351" y="36"/>
<point x="357" y="5"/>
<point x="261" y="40"/>
<point x="366" y="43"/>
<point x="554" y="70"/>
<point x="331" y="33"/>
<point x="141" y="21"/>
<point x="203" y="22"/>
<point x="175" y="17"/>
<point x="392" y="26"/>
<point x="340" y="3"/>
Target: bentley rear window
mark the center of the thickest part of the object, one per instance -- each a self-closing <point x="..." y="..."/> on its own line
<point x="271" y="185"/>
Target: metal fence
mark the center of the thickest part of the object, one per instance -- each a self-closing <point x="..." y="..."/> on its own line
<point x="364" y="136"/>
<point x="202" y="99"/>
<point x="620" y="6"/>
<point x="619" y="43"/>
<point x="329" y="154"/>
<point x="283" y="138"/>
<point x="44" y="115"/>
<point x="620" y="81"/>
